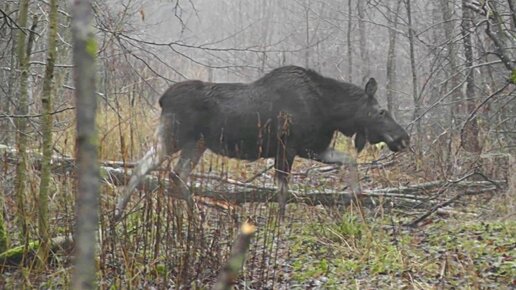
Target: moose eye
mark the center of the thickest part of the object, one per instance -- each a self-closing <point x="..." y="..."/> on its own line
<point x="382" y="113"/>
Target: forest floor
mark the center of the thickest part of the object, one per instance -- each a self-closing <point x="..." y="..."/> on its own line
<point x="469" y="243"/>
<point x="465" y="251"/>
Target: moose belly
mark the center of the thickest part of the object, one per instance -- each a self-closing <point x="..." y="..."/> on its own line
<point x="242" y="147"/>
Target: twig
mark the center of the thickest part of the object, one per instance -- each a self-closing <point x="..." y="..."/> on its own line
<point x="451" y="200"/>
<point x="434" y="209"/>
<point x="36" y="115"/>
<point x="258" y="174"/>
<point x="474" y="112"/>
<point x="12" y="21"/>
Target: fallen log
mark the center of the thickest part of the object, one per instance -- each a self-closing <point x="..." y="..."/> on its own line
<point x="239" y="192"/>
<point x="14" y="256"/>
<point x="233" y="193"/>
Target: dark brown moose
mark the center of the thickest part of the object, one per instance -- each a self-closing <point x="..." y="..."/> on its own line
<point x="291" y="111"/>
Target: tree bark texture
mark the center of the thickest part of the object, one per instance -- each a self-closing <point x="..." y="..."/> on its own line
<point x="417" y="105"/>
<point x="364" y="50"/>
<point x="469" y="138"/>
<point x="392" y="105"/>
<point x="348" y="38"/>
<point x="448" y="25"/>
<point x="21" y="123"/>
<point x="84" y="53"/>
<point x="46" y="100"/>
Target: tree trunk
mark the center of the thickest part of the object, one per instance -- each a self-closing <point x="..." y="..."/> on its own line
<point x="452" y="83"/>
<point x="364" y="51"/>
<point x="307" y="33"/>
<point x="414" y="78"/>
<point x="84" y="53"/>
<point x="469" y="136"/>
<point x="5" y="103"/>
<point x="348" y="37"/>
<point x="21" y="123"/>
<point x="452" y="58"/>
<point x="46" y="100"/>
<point x="5" y="127"/>
<point x="392" y="105"/>
<point x="512" y="7"/>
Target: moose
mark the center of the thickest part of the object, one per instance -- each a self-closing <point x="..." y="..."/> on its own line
<point x="289" y="112"/>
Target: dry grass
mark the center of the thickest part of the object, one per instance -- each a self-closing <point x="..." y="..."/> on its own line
<point x="159" y="246"/>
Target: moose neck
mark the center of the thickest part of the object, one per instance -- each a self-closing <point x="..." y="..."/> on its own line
<point x="346" y="103"/>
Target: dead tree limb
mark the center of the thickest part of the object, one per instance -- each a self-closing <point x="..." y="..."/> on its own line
<point x="13" y="257"/>
<point x="229" y="274"/>
<point x="237" y="192"/>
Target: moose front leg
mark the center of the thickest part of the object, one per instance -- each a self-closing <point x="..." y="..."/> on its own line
<point x="332" y="156"/>
<point x="283" y="165"/>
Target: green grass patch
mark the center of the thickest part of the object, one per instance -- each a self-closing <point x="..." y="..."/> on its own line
<point x="453" y="255"/>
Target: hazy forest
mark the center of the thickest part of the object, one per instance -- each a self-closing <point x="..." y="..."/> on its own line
<point x="79" y="88"/>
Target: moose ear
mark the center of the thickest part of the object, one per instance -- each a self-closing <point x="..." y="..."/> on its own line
<point x="360" y="141"/>
<point x="370" y="87"/>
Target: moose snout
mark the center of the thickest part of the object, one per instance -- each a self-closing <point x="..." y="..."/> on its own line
<point x="402" y="143"/>
<point x="398" y="144"/>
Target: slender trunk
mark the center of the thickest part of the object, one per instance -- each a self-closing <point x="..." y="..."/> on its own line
<point x="454" y="81"/>
<point x="5" y="127"/>
<point x="307" y="34"/>
<point x="5" y="103"/>
<point x="496" y="30"/>
<point x="469" y="136"/>
<point x="512" y="8"/>
<point x="84" y="53"/>
<point x="348" y="37"/>
<point x="46" y="101"/>
<point x="21" y="123"/>
<point x="392" y="105"/>
<point x="414" y="77"/>
<point x="364" y="51"/>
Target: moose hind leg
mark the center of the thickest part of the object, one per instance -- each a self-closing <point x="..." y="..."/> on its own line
<point x="152" y="159"/>
<point x="188" y="159"/>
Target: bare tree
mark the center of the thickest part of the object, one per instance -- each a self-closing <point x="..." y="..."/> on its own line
<point x="391" y="57"/>
<point x="448" y="24"/>
<point x="348" y="43"/>
<point x="23" y="53"/>
<point x="84" y="54"/>
<point x="364" y="49"/>
<point x="46" y="100"/>
<point x="469" y="138"/>
<point x="413" y="69"/>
